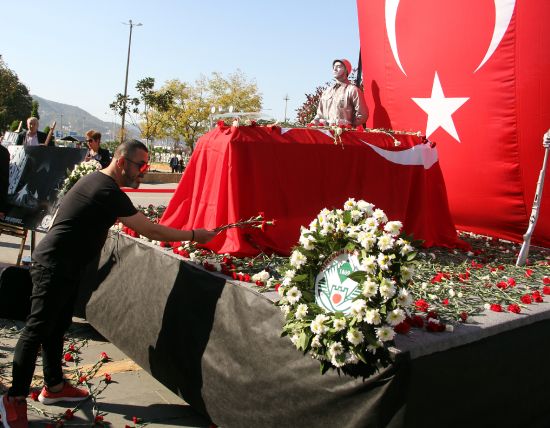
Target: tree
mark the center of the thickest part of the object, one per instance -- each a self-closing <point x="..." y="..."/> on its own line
<point x="34" y="110"/>
<point x="15" y="100"/>
<point x="149" y="99"/>
<point x="188" y="116"/>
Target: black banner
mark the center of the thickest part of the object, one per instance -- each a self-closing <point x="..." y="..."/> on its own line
<point x="36" y="175"/>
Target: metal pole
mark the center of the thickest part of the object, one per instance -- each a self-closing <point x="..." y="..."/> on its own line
<point x="286" y="102"/>
<point x="122" y="131"/>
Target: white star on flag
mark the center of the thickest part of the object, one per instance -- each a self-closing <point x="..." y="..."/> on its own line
<point x="440" y="110"/>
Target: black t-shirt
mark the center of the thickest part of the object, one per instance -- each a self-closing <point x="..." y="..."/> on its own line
<point x="82" y="222"/>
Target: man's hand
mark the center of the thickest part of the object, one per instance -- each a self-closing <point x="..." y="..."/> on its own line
<point x="202" y="236"/>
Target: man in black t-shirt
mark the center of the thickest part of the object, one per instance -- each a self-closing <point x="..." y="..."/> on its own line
<point x="77" y="235"/>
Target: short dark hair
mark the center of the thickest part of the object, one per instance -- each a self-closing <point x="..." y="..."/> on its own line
<point x="128" y="148"/>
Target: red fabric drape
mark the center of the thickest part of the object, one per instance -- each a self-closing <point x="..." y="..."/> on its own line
<point x="494" y="54"/>
<point x="290" y="175"/>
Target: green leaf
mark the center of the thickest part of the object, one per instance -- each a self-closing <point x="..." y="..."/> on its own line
<point x="350" y="246"/>
<point x="358" y="276"/>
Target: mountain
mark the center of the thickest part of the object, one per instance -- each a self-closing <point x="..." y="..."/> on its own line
<point x="75" y="119"/>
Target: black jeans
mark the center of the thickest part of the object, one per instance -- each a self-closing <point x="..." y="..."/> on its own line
<point x="52" y="302"/>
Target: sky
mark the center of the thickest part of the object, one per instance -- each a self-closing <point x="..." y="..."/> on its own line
<point x="75" y="52"/>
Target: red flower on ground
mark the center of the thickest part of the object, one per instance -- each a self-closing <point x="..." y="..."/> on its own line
<point x="104" y="357"/>
<point x="34" y="395"/>
<point x="108" y="378"/>
<point x="435" y="327"/>
<point x="514" y="307"/>
<point x="98" y="418"/>
<point x="246" y="277"/>
<point x="69" y="414"/>
<point x="416" y="321"/>
<point x="136" y="420"/>
<point x="495" y="307"/>
<point x="421" y="305"/>
<point x="537" y="296"/>
<point x="546" y="289"/>
<point x="72" y="348"/>
<point x="68" y="357"/>
<point x="82" y="379"/>
<point x="527" y="299"/>
<point x="511" y="282"/>
<point x="402" y="328"/>
<point x="277" y="286"/>
<point x="546" y="280"/>
<point x="502" y="285"/>
<point x="463" y="316"/>
<point x="432" y="314"/>
<point x="259" y="283"/>
<point x="445" y="302"/>
<point x="528" y="273"/>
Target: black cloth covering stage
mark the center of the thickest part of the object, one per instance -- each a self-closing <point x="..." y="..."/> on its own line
<point x="217" y="344"/>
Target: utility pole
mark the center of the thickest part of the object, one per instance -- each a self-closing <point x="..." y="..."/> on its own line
<point x="132" y="25"/>
<point x="286" y="103"/>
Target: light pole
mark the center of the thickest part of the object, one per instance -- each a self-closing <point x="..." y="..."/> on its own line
<point x="132" y="25"/>
<point x="286" y="102"/>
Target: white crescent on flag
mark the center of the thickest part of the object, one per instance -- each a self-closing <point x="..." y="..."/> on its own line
<point x="422" y="154"/>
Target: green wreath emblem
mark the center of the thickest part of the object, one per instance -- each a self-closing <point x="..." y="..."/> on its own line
<point x="345" y="287"/>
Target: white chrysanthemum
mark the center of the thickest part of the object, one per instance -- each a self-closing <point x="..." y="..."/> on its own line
<point x="353" y="231"/>
<point x="373" y="317"/>
<point x="358" y="308"/>
<point x="451" y="292"/>
<point x="387" y="288"/>
<point x="286" y="282"/>
<point x="383" y="261"/>
<point x="341" y="226"/>
<point x="349" y="204"/>
<point x="487" y="306"/>
<point x="301" y="311"/>
<point x="380" y="215"/>
<point x="193" y="256"/>
<point x="335" y="348"/>
<point x="326" y="229"/>
<point x="406" y="249"/>
<point x="293" y="295"/>
<point x="367" y="239"/>
<point x="356" y="214"/>
<point x="285" y="309"/>
<point x="290" y="273"/>
<point x="316" y="342"/>
<point x="261" y="276"/>
<point x="294" y="339"/>
<point x="355" y="337"/>
<point x="307" y="242"/>
<point x="385" y="333"/>
<point x="297" y="259"/>
<point x="406" y="272"/>
<point x="335" y="361"/>
<point x="370" y="224"/>
<point x="314" y="225"/>
<point x="397" y="316"/>
<point x="370" y="288"/>
<point x="365" y="207"/>
<point x="393" y="227"/>
<point x="369" y="264"/>
<point x="339" y="324"/>
<point x="318" y="327"/>
<point x="385" y="242"/>
<point x="404" y="298"/>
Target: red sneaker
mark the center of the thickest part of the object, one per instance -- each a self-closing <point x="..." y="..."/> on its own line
<point x="68" y="393"/>
<point x="13" y="413"/>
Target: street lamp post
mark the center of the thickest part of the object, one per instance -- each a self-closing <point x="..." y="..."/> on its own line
<point x="286" y="103"/>
<point x="132" y="25"/>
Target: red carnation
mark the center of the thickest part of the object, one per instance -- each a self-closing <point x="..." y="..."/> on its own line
<point x="68" y="357"/>
<point x="104" y="357"/>
<point x="502" y="285"/>
<point x="511" y="282"/>
<point x="98" y="418"/>
<point x="514" y="307"/>
<point x="108" y="378"/>
<point x="259" y="283"/>
<point x="71" y="347"/>
<point x="435" y="327"/>
<point x="279" y="284"/>
<point x="463" y="316"/>
<point x="546" y="280"/>
<point x="416" y="321"/>
<point x="136" y="420"/>
<point x="34" y="395"/>
<point x="496" y="307"/>
<point x="528" y="273"/>
<point x="445" y="302"/>
<point x="402" y="328"/>
<point x="246" y="277"/>
<point x="432" y="315"/>
<point x="69" y="414"/>
<point x="82" y="379"/>
<point x="421" y="305"/>
<point x="546" y="289"/>
<point x="527" y="299"/>
<point x="537" y="297"/>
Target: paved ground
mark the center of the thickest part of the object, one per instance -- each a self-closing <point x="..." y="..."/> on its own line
<point x="132" y="392"/>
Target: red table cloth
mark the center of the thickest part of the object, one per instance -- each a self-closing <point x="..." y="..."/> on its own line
<point x="291" y="174"/>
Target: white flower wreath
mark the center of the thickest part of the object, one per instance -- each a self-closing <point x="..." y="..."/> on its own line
<point x="346" y="287"/>
<point x="79" y="171"/>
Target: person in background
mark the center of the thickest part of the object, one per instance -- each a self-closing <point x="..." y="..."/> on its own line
<point x="342" y="103"/>
<point x="83" y="220"/>
<point x="32" y="137"/>
<point x="174" y="163"/>
<point x="95" y="152"/>
<point x="4" y="180"/>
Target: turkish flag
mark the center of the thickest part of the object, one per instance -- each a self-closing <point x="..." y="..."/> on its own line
<point x="472" y="76"/>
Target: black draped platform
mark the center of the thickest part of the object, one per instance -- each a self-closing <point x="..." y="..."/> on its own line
<point x="217" y="344"/>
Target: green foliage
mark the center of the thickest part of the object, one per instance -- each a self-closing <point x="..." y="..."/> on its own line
<point x="306" y="112"/>
<point x="15" y="100"/>
<point x="34" y="110"/>
<point x="14" y="125"/>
